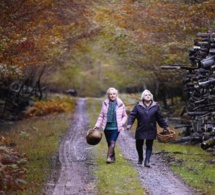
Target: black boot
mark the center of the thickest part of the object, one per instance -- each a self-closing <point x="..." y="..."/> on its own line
<point x="139" y="147"/>
<point x="140" y="159"/>
<point x="147" y="159"/>
<point x="140" y="162"/>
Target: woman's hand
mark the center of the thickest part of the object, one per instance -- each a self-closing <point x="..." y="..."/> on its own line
<point x="128" y="127"/>
<point x="95" y="128"/>
<point x="167" y="129"/>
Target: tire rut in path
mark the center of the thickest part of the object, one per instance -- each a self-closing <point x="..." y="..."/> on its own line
<point x="74" y="176"/>
<point x="157" y="180"/>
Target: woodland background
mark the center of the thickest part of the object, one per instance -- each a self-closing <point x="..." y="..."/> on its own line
<point x="50" y="46"/>
<point x="91" y="45"/>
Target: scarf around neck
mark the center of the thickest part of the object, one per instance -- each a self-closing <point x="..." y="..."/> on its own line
<point x="111" y="115"/>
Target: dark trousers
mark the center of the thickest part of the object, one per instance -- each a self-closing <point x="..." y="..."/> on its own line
<point x="139" y="147"/>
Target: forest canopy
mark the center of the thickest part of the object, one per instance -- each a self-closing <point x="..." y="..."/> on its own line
<point x="90" y="45"/>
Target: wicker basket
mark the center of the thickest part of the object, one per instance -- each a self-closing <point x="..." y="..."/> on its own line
<point x="166" y="136"/>
<point x="93" y="137"/>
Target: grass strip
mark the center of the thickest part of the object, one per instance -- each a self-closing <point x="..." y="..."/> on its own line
<point x="194" y="165"/>
<point x="116" y="178"/>
<point x="39" y="138"/>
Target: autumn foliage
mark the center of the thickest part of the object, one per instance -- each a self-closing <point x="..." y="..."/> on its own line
<point x="85" y="44"/>
<point x="34" y="37"/>
<point x="51" y="106"/>
<point x="12" y="168"/>
<point x="88" y="45"/>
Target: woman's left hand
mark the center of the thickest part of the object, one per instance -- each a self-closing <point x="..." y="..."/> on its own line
<point x="167" y="129"/>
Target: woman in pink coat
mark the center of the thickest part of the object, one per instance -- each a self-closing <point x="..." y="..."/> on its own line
<point x="112" y="119"/>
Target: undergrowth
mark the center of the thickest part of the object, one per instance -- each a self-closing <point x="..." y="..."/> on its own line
<point x="194" y="165"/>
<point x="38" y="138"/>
<point x="55" y="104"/>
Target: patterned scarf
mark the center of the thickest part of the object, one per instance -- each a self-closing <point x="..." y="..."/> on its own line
<point x="111" y="115"/>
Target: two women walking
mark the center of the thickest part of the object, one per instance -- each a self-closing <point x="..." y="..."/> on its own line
<point x="113" y="119"/>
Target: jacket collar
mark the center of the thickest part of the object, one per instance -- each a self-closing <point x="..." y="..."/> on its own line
<point x="144" y="106"/>
<point x="118" y="101"/>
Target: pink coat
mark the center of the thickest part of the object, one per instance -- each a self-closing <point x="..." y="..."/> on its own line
<point x="121" y="116"/>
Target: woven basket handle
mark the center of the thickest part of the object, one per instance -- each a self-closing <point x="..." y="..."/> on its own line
<point x="165" y="130"/>
<point x="88" y="131"/>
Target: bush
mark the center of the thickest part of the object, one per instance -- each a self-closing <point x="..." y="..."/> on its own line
<point x="11" y="170"/>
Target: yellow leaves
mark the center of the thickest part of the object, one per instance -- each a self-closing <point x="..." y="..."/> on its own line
<point x="6" y="141"/>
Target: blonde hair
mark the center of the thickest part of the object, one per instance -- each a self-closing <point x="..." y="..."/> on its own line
<point x="111" y="89"/>
<point x="144" y="92"/>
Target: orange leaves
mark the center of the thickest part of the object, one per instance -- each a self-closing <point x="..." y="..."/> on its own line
<point x="6" y="141"/>
<point x="51" y="106"/>
<point x="44" y="108"/>
<point x="38" y="30"/>
<point x="156" y="20"/>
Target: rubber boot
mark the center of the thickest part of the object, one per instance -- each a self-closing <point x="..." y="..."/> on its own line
<point x="113" y="158"/>
<point x="112" y="144"/>
<point x="140" y="155"/>
<point x="147" y="159"/>
<point x="111" y="153"/>
<point x="140" y="161"/>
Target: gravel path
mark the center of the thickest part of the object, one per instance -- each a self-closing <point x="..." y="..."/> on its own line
<point x="74" y="162"/>
<point x="159" y="179"/>
<point x="73" y="165"/>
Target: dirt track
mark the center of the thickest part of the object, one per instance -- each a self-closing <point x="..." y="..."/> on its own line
<point x="157" y="180"/>
<point x="73" y="165"/>
<point x="72" y="176"/>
